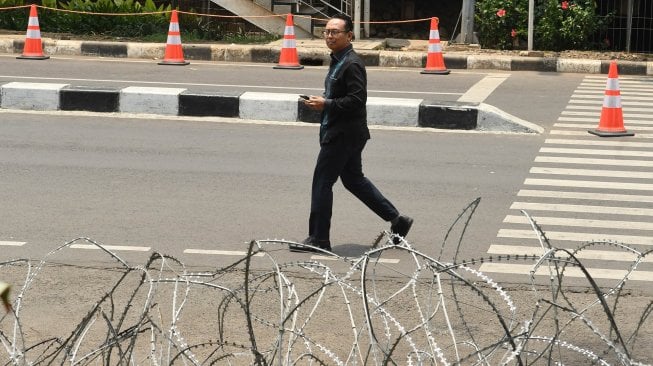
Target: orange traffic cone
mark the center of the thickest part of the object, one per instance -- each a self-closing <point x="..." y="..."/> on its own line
<point x="33" y="49"/>
<point x="174" y="53"/>
<point x="612" y="117"/>
<point x="434" y="59"/>
<point x="288" y="58"/>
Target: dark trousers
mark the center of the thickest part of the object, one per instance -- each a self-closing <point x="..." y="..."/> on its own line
<point x="341" y="158"/>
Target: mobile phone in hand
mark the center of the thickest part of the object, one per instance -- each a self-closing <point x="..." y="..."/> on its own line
<point x="306" y="97"/>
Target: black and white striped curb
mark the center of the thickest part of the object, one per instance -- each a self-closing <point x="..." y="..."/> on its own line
<point x="281" y="107"/>
<point x="320" y="56"/>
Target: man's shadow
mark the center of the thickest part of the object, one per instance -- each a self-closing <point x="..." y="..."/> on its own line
<point x="355" y="250"/>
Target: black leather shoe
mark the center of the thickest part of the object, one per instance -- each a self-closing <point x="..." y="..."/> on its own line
<point x="311" y="245"/>
<point x="401" y="228"/>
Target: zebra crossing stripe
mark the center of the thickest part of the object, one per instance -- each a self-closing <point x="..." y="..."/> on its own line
<point x="641" y="97"/>
<point x="577" y="237"/>
<point x="632" y="117"/>
<point x="584" y="126"/>
<point x="593" y="254"/>
<point x="589" y="184"/>
<point x="585" y="196"/>
<point x="631" y="84"/>
<point x="597" y="273"/>
<point x="587" y="223"/>
<point x="585" y="161"/>
<point x="566" y="150"/>
<point x="598" y="143"/>
<point x="557" y="207"/>
<point x="592" y="173"/>
<point x="644" y="111"/>
<point x="634" y="104"/>
<point x="584" y="133"/>
<point x="642" y="124"/>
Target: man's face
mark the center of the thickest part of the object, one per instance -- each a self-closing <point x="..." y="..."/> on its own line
<point x="335" y="35"/>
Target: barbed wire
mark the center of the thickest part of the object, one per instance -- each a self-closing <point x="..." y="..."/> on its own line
<point x="260" y="310"/>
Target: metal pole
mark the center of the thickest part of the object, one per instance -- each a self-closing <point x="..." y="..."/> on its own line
<point x="629" y="24"/>
<point x="357" y="19"/>
<point x="366" y="12"/>
<point x="531" y="23"/>
<point x="467" y="23"/>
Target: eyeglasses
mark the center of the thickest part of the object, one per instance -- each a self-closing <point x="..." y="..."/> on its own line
<point x="332" y="32"/>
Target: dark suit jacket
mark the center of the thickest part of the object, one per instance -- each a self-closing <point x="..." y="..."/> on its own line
<point x="346" y="96"/>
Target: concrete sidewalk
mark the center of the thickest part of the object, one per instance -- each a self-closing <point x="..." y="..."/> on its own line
<point x="381" y="53"/>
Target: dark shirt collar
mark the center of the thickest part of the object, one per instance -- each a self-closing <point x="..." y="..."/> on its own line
<point x="340" y="54"/>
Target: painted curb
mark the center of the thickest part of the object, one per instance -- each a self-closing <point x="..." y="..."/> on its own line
<point x="320" y="57"/>
<point x="31" y="96"/>
<point x="91" y="99"/>
<point x="275" y="107"/>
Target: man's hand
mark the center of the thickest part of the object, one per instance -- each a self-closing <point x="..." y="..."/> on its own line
<point x="315" y="102"/>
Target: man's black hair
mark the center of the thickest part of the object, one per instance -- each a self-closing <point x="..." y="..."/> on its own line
<point x="349" y="25"/>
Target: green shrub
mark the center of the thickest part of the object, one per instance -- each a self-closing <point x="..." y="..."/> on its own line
<point x="496" y="19"/>
<point x="13" y="19"/>
<point x="68" y="20"/>
<point x="567" y="24"/>
<point x="72" y="16"/>
<point x="559" y="24"/>
<point x="119" y="26"/>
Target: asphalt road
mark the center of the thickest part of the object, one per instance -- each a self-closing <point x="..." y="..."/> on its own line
<point x="174" y="185"/>
<point x="532" y="96"/>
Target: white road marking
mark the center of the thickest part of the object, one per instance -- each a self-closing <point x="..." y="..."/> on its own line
<point x="621" y="256"/>
<point x="13" y="243"/>
<point x="585" y="196"/>
<point x="585" y="161"/>
<point x="111" y="247"/>
<point x="629" y="117"/>
<point x="556" y="207"/>
<point x="331" y="258"/>
<point x="628" y="123"/>
<point x="243" y="254"/>
<point x="595" y="125"/>
<point x="598" y="273"/>
<point x="598" y="142"/>
<point x="624" y="104"/>
<point x="592" y="173"/>
<point x="588" y="184"/>
<point x="645" y="111"/>
<point x="564" y="150"/>
<point x="585" y="223"/>
<point x="220" y="252"/>
<point x="584" y="133"/>
<point x="644" y="96"/>
<point x="482" y="89"/>
<point x="577" y="237"/>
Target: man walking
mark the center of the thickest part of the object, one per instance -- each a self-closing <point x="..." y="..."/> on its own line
<point x="343" y="135"/>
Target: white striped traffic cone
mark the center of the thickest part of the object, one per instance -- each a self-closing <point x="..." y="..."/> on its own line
<point x="174" y="53"/>
<point x="434" y="58"/>
<point x="612" y="117"/>
<point x="33" y="49"/>
<point x="288" y="58"/>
